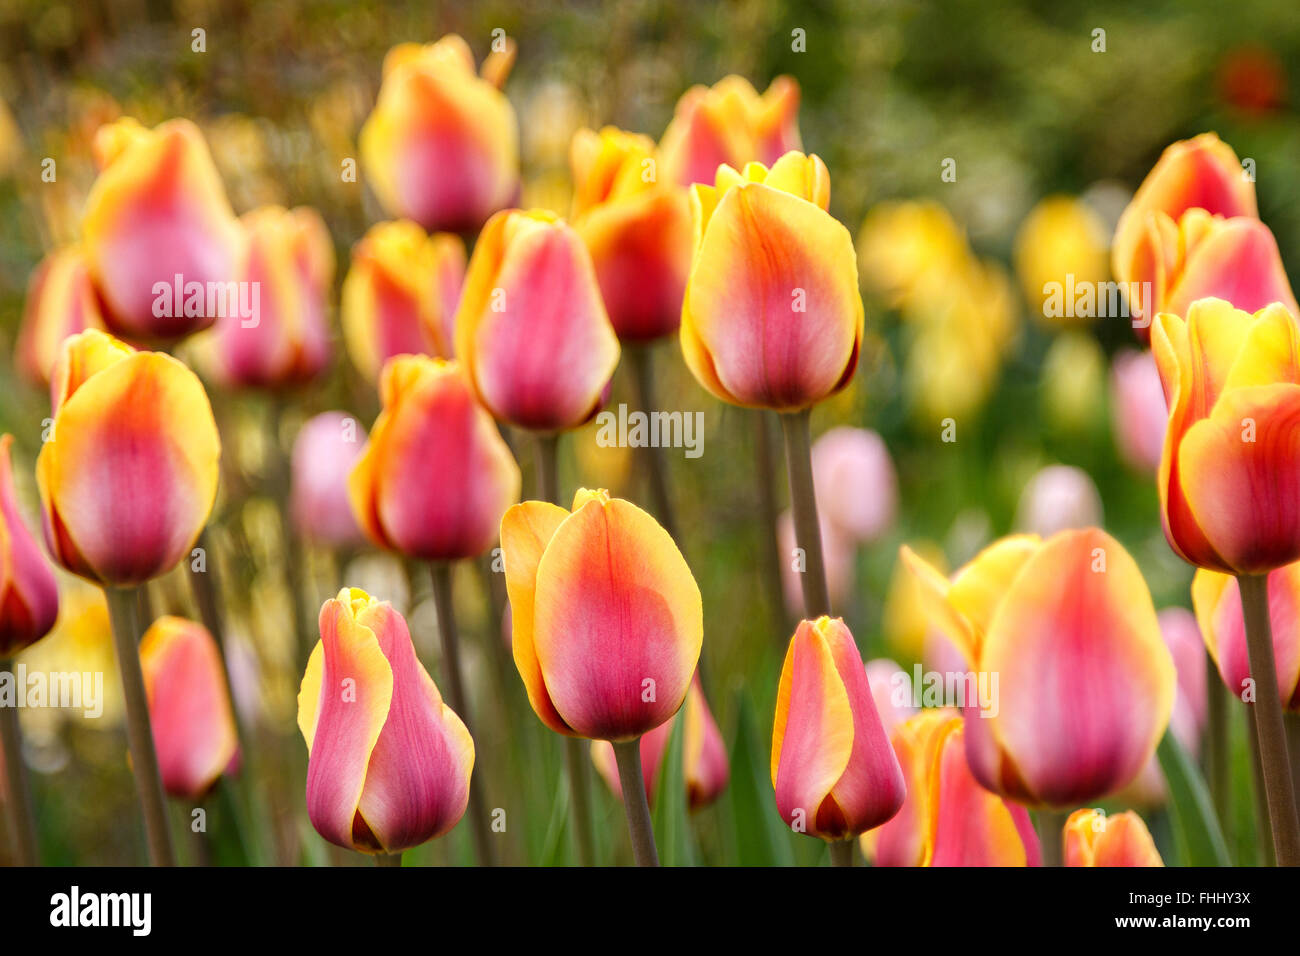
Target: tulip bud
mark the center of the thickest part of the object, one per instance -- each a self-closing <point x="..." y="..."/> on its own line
<point x="948" y="819"/>
<point x="1085" y="682"/>
<point x="1226" y="474"/>
<point x="389" y="763"/>
<point x="856" y="485"/>
<point x="61" y="301"/>
<point x="29" y="596"/>
<point x="129" y="475"/>
<point x="1138" y="414"/>
<point x="704" y="756"/>
<point x="189" y="706"/>
<point x="834" y="772"/>
<point x="289" y="258"/>
<point x="441" y="146"/>
<point x="772" y="316"/>
<point x="327" y="448"/>
<point x="607" y="618"/>
<point x="730" y="123"/>
<point x="400" y="294"/>
<point x="435" y="476"/>
<point x="1217" y="601"/>
<point x="157" y="227"/>
<point x="637" y="229"/>
<point x="531" y="330"/>
<point x="1093" y="838"/>
<point x="1057" y="498"/>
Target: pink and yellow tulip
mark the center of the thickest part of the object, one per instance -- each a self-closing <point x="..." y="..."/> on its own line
<point x="389" y="763"/>
<point x="129" y="475"/>
<point x="772" y="316"/>
<point x="61" y="301"/>
<point x="1085" y="682"/>
<point x="532" y="332"/>
<point x="189" y="706"/>
<point x="607" y="617"/>
<point x="1216" y="599"/>
<point x="436" y="476"/>
<point x="833" y="770"/>
<point x="1093" y="838"/>
<point x="327" y="448"/>
<point x="29" y="596"/>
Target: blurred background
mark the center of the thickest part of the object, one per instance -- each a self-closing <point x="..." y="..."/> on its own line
<point x="1043" y="135"/>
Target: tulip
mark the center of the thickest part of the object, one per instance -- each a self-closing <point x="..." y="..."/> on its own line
<point x="324" y="454"/>
<point x="1092" y="838"/>
<point x="1138" y="415"/>
<point x="435" y="476"/>
<point x="1063" y="242"/>
<point x="948" y="819"/>
<point x="29" y="596"/>
<point x="1073" y="373"/>
<point x="1233" y="390"/>
<point x="856" y="485"/>
<point x="730" y="123"/>
<point x="1216" y="599"/>
<point x="389" y="763"/>
<point x="189" y="706"/>
<point x="61" y="301"/>
<point x="704" y="755"/>
<point x="637" y="229"/>
<point x="158" y="217"/>
<point x="400" y="294"/>
<point x="772" y="316"/>
<point x="833" y="770"/>
<point x="909" y="252"/>
<point x="129" y="476"/>
<point x="891" y="690"/>
<point x="1057" y="498"/>
<point x="290" y="257"/>
<point x="442" y="144"/>
<point x="607" y="618"/>
<point x="1086" y="684"/>
<point x="531" y="331"/>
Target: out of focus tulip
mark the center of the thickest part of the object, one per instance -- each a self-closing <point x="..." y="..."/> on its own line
<point x="730" y="123"/>
<point x="436" y="475"/>
<point x="903" y="618"/>
<point x="1073" y="374"/>
<point x="834" y="772"/>
<point x="189" y="706"/>
<point x="607" y="617"/>
<point x="1252" y="78"/>
<point x="839" y="555"/>
<point x="1217" y="601"/>
<point x="948" y="819"/>
<point x="159" y="234"/>
<point x="442" y="143"/>
<point x="29" y="596"/>
<point x="400" y="294"/>
<point x="891" y="689"/>
<point x="1094" y="838"/>
<point x="289" y="256"/>
<point x="327" y="448"/>
<point x="772" y="317"/>
<point x="1137" y="408"/>
<point x="637" y="228"/>
<point x="389" y="763"/>
<point x="1086" y="684"/>
<point x="1057" y="498"/>
<point x="857" y="489"/>
<point x="61" y="301"/>
<point x="908" y="250"/>
<point x="1061" y="245"/>
<point x="704" y="755"/>
<point x="129" y="475"/>
<point x="532" y="332"/>
<point x="1228" y="472"/>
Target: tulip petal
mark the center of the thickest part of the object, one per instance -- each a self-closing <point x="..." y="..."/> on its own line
<point x="29" y="596"/>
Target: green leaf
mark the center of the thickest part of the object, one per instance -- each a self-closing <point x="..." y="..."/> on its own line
<point x="670" y="818"/>
<point x="761" y="839"/>
<point x="1198" y="834"/>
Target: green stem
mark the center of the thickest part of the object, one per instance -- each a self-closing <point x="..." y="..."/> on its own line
<point x="1051" y="835"/>
<point x="636" y="807"/>
<point x="641" y="360"/>
<point x="770" y="548"/>
<point x="122" y="607"/>
<point x="281" y="475"/>
<point x="452" y="673"/>
<point x="1216" y="742"/>
<point x="842" y="853"/>
<point x="803" y="499"/>
<point x="547" y="478"/>
<point x="1263" y="829"/>
<point x="18" y="795"/>
<point x="1269" y="728"/>
<point x="388" y="859"/>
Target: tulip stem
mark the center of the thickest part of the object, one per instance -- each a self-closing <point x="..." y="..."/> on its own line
<point x="1270" y="731"/>
<point x="122" y="608"/>
<point x="803" y="499"/>
<point x="443" y="603"/>
<point x="388" y="859"/>
<point x="18" y="797"/>
<point x="627" y="753"/>
<point x="841" y="852"/>
<point x="546" y="458"/>
<point x="1216" y="741"/>
<point x="764" y="467"/>
<point x="1051" y="836"/>
<point x="1263" y="830"/>
<point x="641" y="358"/>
